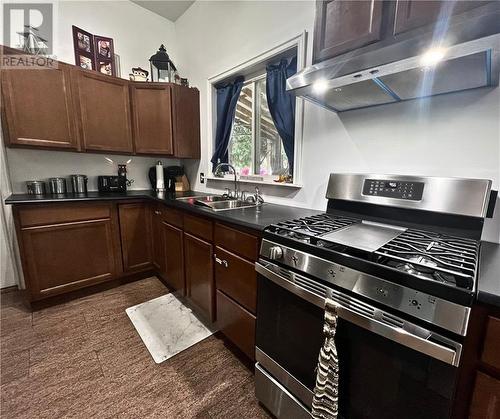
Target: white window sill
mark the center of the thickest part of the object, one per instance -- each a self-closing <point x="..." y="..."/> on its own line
<point x="254" y="182"/>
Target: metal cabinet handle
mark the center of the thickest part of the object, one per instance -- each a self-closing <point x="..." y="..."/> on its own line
<point x="222" y="262"/>
<point x="158" y="212"/>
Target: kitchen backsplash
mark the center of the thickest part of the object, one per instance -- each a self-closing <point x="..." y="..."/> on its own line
<point x="40" y="165"/>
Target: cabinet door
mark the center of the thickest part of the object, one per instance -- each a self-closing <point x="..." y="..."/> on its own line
<point x="198" y="266"/>
<point x="158" y="240"/>
<point x="68" y="256"/>
<point x="152" y="118"/>
<point x="135" y="230"/>
<point x="343" y="26"/>
<point x="411" y="14"/>
<point x="486" y="398"/>
<point x="174" y="252"/>
<point x="39" y="108"/>
<point x="186" y="111"/>
<point x="104" y="112"/>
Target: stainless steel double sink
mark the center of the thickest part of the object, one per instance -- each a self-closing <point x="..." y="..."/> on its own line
<point x="217" y="202"/>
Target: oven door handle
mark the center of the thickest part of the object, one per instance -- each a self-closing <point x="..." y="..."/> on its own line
<point x="449" y="354"/>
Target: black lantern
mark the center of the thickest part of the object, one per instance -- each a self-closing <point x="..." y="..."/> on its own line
<point x="162" y="68"/>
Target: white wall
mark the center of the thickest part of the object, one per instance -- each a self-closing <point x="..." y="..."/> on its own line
<point x="451" y="135"/>
<point x="40" y="165"/>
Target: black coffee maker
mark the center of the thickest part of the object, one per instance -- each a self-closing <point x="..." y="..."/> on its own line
<point x="170" y="173"/>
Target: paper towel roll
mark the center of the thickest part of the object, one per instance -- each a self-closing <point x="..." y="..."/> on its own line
<point x="160" y="181"/>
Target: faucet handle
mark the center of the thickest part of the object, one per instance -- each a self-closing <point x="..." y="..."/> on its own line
<point x="258" y="197"/>
<point x="244" y="195"/>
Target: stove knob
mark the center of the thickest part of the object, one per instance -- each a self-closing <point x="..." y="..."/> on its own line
<point x="275" y="253"/>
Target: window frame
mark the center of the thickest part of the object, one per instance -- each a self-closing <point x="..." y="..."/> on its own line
<point x="251" y="68"/>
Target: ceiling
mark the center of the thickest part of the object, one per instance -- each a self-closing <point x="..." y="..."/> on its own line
<point x="171" y="10"/>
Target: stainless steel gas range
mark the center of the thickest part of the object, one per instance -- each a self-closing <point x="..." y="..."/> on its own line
<point x="399" y="256"/>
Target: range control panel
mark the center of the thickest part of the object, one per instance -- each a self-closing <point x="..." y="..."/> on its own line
<point x="412" y="191"/>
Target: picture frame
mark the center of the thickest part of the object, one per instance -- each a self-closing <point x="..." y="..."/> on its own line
<point x="83" y="44"/>
<point x="104" y="55"/>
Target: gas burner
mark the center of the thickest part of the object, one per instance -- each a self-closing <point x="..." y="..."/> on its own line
<point x="296" y="235"/>
<point x="427" y="273"/>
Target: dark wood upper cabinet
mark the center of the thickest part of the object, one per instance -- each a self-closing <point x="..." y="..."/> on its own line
<point x="198" y="266"/>
<point x="152" y="118"/>
<point x="412" y="14"/>
<point x="39" y="108"/>
<point x="343" y="26"/>
<point x="135" y="232"/>
<point x="104" y="112"/>
<point x="186" y="122"/>
<point x="174" y="255"/>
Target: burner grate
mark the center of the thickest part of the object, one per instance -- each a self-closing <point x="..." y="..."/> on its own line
<point x="446" y="258"/>
<point x="307" y="227"/>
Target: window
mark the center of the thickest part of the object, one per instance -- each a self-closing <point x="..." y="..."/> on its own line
<point x="255" y="146"/>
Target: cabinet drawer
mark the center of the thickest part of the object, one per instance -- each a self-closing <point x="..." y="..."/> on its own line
<point x="491" y="350"/>
<point x="62" y="213"/>
<point x="172" y="216"/>
<point x="238" y="242"/>
<point x="237" y="324"/>
<point x="237" y="278"/>
<point x="198" y="226"/>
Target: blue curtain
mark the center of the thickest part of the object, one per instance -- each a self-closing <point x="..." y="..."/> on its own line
<point x="227" y="97"/>
<point x="282" y="104"/>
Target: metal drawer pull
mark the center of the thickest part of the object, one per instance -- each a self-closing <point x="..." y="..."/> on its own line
<point x="158" y="212"/>
<point x="411" y="336"/>
<point x="222" y="262"/>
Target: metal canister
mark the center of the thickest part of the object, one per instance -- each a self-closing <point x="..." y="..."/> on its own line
<point x="35" y="187"/>
<point x="57" y="185"/>
<point x="79" y="183"/>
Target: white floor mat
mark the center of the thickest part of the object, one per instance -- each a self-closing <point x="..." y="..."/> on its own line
<point x="166" y="326"/>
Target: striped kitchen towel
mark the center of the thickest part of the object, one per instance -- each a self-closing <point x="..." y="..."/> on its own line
<point x="325" y="403"/>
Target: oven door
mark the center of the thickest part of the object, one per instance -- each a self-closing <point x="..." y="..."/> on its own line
<point x="388" y="368"/>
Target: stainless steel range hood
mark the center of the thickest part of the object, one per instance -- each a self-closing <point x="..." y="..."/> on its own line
<point x="333" y="84"/>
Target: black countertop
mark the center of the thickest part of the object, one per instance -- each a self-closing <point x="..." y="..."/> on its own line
<point x="245" y="217"/>
<point x="489" y="274"/>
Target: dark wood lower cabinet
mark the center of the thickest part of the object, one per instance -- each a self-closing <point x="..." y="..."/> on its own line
<point x="61" y="257"/>
<point x="158" y="240"/>
<point x="236" y="323"/>
<point x="486" y="398"/>
<point x="135" y="231"/>
<point x="198" y="265"/>
<point x="174" y="256"/>
<point x="237" y="278"/>
<point x="69" y="246"/>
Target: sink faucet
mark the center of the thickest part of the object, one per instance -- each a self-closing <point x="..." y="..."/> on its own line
<point x="216" y="172"/>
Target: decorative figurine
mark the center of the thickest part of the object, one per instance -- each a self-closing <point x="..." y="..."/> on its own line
<point x="139" y="74"/>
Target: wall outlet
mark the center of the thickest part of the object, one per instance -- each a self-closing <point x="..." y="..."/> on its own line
<point x="202" y="177"/>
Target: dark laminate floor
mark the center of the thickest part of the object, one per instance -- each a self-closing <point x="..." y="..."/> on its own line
<point x="84" y="359"/>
